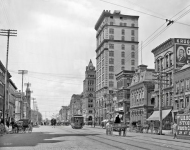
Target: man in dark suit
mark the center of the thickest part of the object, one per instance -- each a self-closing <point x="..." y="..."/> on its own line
<point x="181" y="56"/>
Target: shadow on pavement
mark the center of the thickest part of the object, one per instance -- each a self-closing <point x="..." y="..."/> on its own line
<point x="32" y="139"/>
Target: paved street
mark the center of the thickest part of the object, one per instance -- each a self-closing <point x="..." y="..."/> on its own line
<point x="88" y="138"/>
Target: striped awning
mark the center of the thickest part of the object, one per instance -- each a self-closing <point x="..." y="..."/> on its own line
<point x="156" y="115"/>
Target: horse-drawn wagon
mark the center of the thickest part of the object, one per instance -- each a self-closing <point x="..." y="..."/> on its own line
<point x="116" y="127"/>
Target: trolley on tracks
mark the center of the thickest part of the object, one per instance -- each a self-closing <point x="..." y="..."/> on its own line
<point x="77" y="122"/>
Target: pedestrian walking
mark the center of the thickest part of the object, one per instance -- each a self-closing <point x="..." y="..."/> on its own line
<point x="174" y="126"/>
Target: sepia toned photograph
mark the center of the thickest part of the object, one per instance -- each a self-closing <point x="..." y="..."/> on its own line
<point x="94" y="75"/>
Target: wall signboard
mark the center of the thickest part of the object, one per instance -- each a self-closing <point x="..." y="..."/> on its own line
<point x="182" y="49"/>
<point x="183" y="125"/>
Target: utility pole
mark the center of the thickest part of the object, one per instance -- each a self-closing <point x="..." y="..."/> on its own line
<point x="160" y="101"/>
<point x="21" y="103"/>
<point x="7" y="33"/>
<point x="160" y="83"/>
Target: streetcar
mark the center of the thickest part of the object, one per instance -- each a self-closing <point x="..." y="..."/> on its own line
<point x="77" y="122"/>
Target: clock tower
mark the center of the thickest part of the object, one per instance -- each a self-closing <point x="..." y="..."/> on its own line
<point x="89" y="88"/>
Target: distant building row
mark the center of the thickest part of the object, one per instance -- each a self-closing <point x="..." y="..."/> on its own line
<point x="119" y="85"/>
<point x="17" y="106"/>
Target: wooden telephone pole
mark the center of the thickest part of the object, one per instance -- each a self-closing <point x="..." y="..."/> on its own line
<point x="7" y="33"/>
<point x="160" y="79"/>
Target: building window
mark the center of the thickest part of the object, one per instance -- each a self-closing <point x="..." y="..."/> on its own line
<point x="132" y="62"/>
<point x="187" y="101"/>
<point x="90" y="105"/>
<point x="123" y="47"/>
<point x="111" y="23"/>
<point x="167" y="99"/>
<point x="132" y="68"/>
<point x="123" y="38"/>
<point x="123" y="32"/>
<point x="125" y="24"/>
<point x="111" y="46"/>
<point x="182" y="103"/>
<point x="90" y="112"/>
<point x="171" y="59"/>
<point x="121" y="24"/>
<point x="132" y="47"/>
<point x="177" y="105"/>
<point x="162" y="63"/>
<point x="111" y="68"/>
<point x="177" y="87"/>
<point x="182" y="85"/>
<point x="132" y="39"/>
<point x="123" y="61"/>
<point x="170" y="78"/>
<point x="111" y="61"/>
<point x="111" y="53"/>
<point x="158" y="65"/>
<point x="111" y="76"/>
<point x="187" y="84"/>
<point x="111" y="37"/>
<point x="167" y="61"/>
<point x="122" y="54"/>
<point x="111" y="31"/>
<point x="132" y="32"/>
<point x="171" y="99"/>
<point x="132" y="54"/>
<point x="123" y="68"/>
<point x="111" y="84"/>
<point x="133" y="25"/>
<point x="90" y="100"/>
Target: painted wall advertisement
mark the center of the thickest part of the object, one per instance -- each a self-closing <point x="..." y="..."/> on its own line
<point x="183" y="125"/>
<point x="182" y="52"/>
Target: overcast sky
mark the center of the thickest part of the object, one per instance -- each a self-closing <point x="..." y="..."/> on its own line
<point x="56" y="40"/>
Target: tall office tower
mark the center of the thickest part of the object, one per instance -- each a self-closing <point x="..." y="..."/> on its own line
<point x="117" y="49"/>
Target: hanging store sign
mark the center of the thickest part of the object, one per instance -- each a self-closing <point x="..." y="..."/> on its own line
<point x="183" y="125"/>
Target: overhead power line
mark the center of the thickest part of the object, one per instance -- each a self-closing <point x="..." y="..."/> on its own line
<point x="133" y="10"/>
<point x="168" y="25"/>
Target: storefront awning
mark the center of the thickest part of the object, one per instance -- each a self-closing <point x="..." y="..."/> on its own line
<point x="156" y="115"/>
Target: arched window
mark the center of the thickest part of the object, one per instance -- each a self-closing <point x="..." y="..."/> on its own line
<point x="90" y="118"/>
<point x="90" y="95"/>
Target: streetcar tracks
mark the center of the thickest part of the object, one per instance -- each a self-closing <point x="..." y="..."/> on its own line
<point x="134" y="137"/>
<point x="113" y="141"/>
<point x="156" y="143"/>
